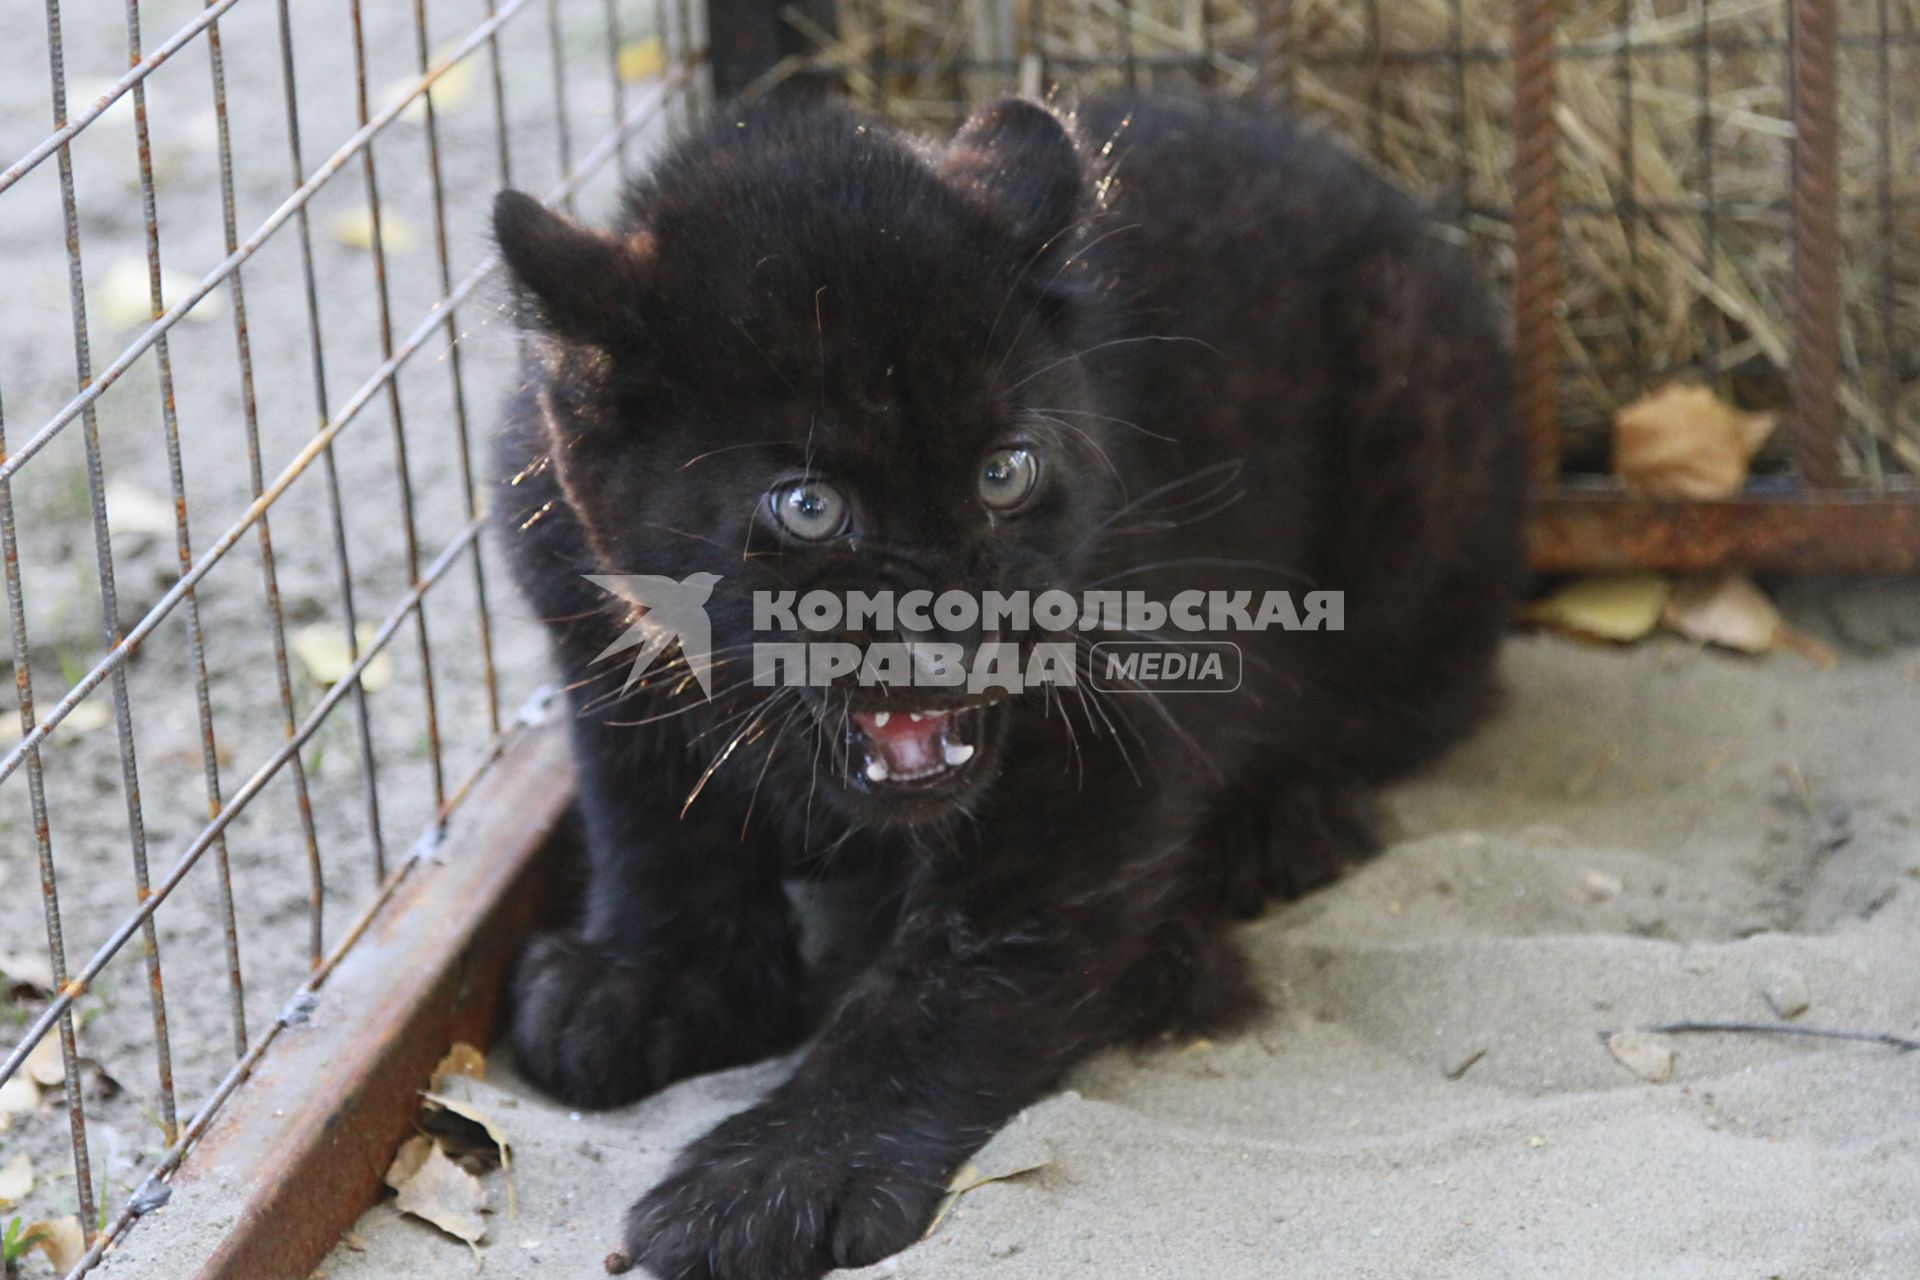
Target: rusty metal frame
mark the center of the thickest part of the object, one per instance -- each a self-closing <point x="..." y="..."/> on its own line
<point x="297" y="1155"/>
<point x="1824" y="524"/>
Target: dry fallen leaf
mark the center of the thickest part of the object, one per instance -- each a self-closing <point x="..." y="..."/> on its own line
<point x="1784" y="990"/>
<point x="468" y="1135"/>
<point x="1648" y="1057"/>
<point x="27" y="969"/>
<point x="461" y="1060"/>
<point x="1683" y="441"/>
<point x="1602" y="886"/>
<point x="453" y="87"/>
<point x="1608" y="606"/>
<point x="61" y="1240"/>
<point x="18" y="1096"/>
<point x="1724" y="609"/>
<point x="641" y="59"/>
<point x="131" y="509"/>
<point x="124" y="298"/>
<point x="441" y="1192"/>
<point x="407" y="1160"/>
<point x="16" y="1180"/>
<point x="355" y="230"/>
<point x="322" y="649"/>
<point x="1015" y="1150"/>
<point x="46" y="1065"/>
<point x="1728" y="610"/>
<point x="87" y="717"/>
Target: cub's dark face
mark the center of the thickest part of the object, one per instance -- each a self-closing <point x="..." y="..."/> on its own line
<point x="822" y="357"/>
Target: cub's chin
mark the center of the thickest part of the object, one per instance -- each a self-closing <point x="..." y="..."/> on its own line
<point x="900" y="761"/>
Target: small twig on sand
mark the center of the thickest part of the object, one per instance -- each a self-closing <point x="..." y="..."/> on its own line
<point x="1778" y="1029"/>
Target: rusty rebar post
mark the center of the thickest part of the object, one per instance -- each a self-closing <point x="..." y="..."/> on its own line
<point x="1276" y="53"/>
<point x="1815" y="376"/>
<point x="1536" y="233"/>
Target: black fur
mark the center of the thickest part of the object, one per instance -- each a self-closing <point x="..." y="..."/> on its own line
<point x="1245" y="363"/>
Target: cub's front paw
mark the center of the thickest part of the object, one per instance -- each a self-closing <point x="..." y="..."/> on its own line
<point x="598" y="1032"/>
<point x="772" y="1194"/>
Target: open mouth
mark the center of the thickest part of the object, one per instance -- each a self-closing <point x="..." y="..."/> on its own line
<point x="921" y="749"/>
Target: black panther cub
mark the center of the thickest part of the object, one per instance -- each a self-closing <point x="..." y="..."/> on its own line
<point x="1154" y="346"/>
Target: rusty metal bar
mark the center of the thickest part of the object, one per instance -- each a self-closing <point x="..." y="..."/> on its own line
<point x="43" y="838"/>
<point x="256" y="479"/>
<point x="463" y="433"/>
<point x="396" y="416"/>
<point x="1577" y="530"/>
<point x="1536" y="234"/>
<point x="330" y="469"/>
<point x="1815" y="374"/>
<point x="110" y="632"/>
<point x="183" y="543"/>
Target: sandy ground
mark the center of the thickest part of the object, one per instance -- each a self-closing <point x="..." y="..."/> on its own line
<point x="1640" y="836"/>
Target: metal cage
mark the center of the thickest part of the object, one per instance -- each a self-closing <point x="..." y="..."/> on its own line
<point x="250" y="549"/>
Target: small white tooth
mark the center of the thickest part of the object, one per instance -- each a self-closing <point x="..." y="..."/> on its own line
<point x="880" y="719"/>
<point x="877" y="770"/>
<point x="958" y="753"/>
<point x="916" y="716"/>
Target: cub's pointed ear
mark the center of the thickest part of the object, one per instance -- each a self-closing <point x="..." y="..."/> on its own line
<point x="584" y="284"/>
<point x="1017" y="160"/>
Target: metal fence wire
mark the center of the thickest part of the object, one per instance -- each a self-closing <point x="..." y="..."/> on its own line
<point x="251" y="342"/>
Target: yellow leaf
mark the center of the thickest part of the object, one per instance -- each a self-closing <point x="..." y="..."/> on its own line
<point x="355" y="230"/>
<point x="1683" y="441"/>
<point x="461" y="1060"/>
<point x="17" y="1097"/>
<point x="61" y="1240"/>
<point x="641" y="59"/>
<point x="16" y="1180"/>
<point x="454" y="87"/>
<point x="87" y="717"/>
<point x="1648" y="1057"/>
<point x="132" y="509"/>
<point x="1609" y="606"/>
<point x="27" y="969"/>
<point x="124" y="298"/>
<point x="45" y="1064"/>
<point x="322" y="649"/>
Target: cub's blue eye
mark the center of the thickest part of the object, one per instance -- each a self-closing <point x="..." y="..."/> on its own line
<point x="1007" y="478"/>
<point x="811" y="510"/>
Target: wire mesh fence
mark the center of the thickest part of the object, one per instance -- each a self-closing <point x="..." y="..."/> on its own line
<point x="251" y="342"/>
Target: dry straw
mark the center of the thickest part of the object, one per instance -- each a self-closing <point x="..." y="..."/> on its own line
<point x="1653" y="290"/>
